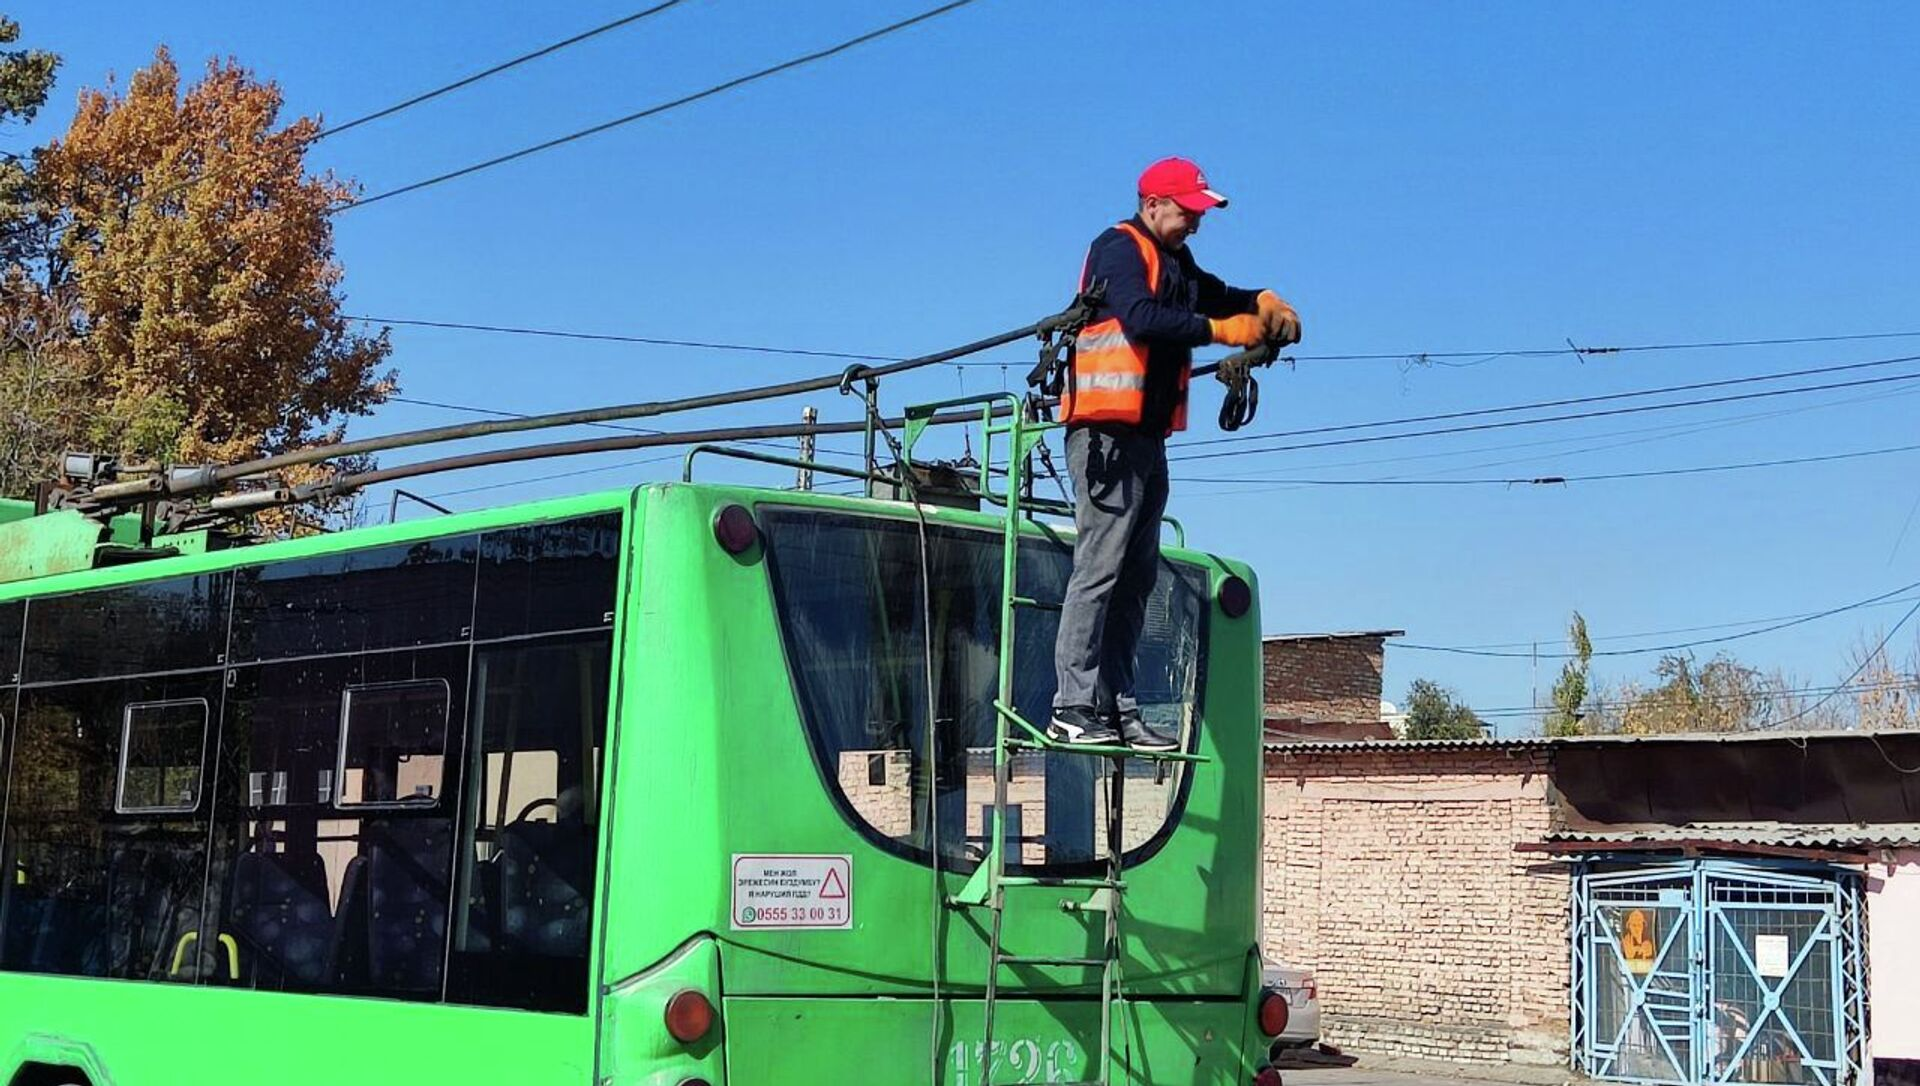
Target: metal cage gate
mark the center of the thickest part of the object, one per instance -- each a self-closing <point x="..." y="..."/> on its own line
<point x="1719" y="971"/>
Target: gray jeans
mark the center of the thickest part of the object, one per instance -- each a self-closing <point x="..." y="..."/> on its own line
<point x="1120" y="489"/>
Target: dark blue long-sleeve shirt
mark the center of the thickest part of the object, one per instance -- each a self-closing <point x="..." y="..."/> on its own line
<point x="1171" y="321"/>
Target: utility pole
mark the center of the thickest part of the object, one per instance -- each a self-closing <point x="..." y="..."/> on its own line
<point x="809" y="416"/>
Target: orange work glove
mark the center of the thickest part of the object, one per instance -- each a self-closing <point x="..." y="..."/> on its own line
<point x="1283" y="324"/>
<point x="1244" y="330"/>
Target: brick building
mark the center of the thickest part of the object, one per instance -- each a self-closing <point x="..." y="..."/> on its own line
<point x="1391" y="872"/>
<point x="1646" y="908"/>
<point x="1325" y="685"/>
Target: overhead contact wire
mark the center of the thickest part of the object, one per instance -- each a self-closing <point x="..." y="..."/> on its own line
<point x="1513" y="423"/>
<point x="493" y="71"/>
<point x="1677" y="646"/>
<point x="663" y="107"/>
<point x="1539" y="405"/>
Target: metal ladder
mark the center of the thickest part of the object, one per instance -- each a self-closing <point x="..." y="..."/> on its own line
<point x="1008" y="416"/>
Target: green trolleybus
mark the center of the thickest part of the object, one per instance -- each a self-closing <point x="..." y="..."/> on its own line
<point x="676" y="785"/>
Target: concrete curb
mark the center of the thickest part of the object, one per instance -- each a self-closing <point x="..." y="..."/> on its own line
<point x="1327" y="1067"/>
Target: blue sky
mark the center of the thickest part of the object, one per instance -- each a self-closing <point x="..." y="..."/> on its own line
<point x="1415" y="177"/>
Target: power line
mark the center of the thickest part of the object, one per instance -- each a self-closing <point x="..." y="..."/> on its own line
<point x="1632" y="394"/>
<point x="656" y="110"/>
<point x="1900" y="682"/>
<point x="1559" y="480"/>
<point x="498" y="413"/>
<point x="1635" y="636"/>
<point x="1586" y="352"/>
<point x="181" y="186"/>
<point x="651" y="341"/>
<point x="1347" y="427"/>
<point x="493" y="71"/>
<point x="1663" y="432"/>
<point x="1800" y="620"/>
<point x="1864" y="662"/>
<point x="1326" y="482"/>
<point x="1511" y="423"/>
<point x="1667" y="432"/>
<point x="1419" y="357"/>
<point x="623" y="465"/>
<point x="566" y="333"/>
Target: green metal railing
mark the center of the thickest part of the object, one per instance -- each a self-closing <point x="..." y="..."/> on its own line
<point x="1010" y="419"/>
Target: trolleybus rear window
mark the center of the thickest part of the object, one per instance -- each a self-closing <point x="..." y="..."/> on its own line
<point x="848" y="591"/>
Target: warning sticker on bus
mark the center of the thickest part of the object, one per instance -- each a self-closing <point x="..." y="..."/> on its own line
<point x="792" y="892"/>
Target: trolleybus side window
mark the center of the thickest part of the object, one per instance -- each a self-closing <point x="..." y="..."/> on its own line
<point x="319" y="892"/>
<point x="94" y="888"/>
<point x="393" y="744"/>
<point x="163" y="750"/>
<point x="548" y="577"/>
<point x="531" y="812"/>
<point x="13" y="617"/>
<point x="280" y="808"/>
<point x="334" y="857"/>
<point x="849" y="597"/>
<point x="138" y="629"/>
<point x="401" y="596"/>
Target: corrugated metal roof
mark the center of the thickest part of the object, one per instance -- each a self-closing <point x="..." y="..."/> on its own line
<point x="1772" y="834"/>
<point x="1537" y="741"/>
<point x="1334" y="636"/>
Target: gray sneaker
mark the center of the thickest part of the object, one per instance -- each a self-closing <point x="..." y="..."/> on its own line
<point x="1080" y="726"/>
<point x="1137" y="733"/>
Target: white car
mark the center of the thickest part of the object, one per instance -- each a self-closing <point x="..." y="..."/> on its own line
<point x="1303" y="1004"/>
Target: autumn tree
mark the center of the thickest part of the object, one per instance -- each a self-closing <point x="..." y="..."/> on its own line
<point x="1571" y="688"/>
<point x="26" y="76"/>
<point x="1883" y="695"/>
<point x="1435" y="712"/>
<point x="36" y="375"/>
<point x="1721" y="695"/>
<point x="191" y="254"/>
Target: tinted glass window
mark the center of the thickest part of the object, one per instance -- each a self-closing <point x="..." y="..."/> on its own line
<point x="13" y="616"/>
<point x="393" y="749"/>
<point x="385" y="597"/>
<point x="319" y="898"/>
<point x="163" y="747"/>
<point x="548" y="577"/>
<point x="522" y="934"/>
<point x="94" y="891"/>
<point x="171" y="625"/>
<point x="848" y="591"/>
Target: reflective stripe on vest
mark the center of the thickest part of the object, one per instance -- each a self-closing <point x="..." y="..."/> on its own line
<point x="1107" y="381"/>
<point x="1113" y="382"/>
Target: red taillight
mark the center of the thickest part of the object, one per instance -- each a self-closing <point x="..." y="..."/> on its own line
<point x="1236" y="596"/>
<point x="689" y="1016"/>
<point x="1267" y="1077"/>
<point x="1309" y="991"/>
<point x="734" y="529"/>
<point x="1273" y="1013"/>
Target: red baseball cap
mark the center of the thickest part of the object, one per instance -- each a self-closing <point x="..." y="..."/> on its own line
<point x="1182" y="182"/>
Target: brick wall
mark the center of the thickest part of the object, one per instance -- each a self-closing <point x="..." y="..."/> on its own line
<point x="1333" y="678"/>
<point x="1391" y="873"/>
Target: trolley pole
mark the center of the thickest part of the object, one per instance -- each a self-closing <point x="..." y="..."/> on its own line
<point x="809" y="416"/>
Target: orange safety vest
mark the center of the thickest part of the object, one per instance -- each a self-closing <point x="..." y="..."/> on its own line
<point x="1107" y="377"/>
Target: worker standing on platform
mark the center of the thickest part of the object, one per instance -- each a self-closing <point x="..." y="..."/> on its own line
<point x="1125" y="392"/>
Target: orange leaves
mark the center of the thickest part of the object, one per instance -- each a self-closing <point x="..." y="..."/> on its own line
<point x="201" y="252"/>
